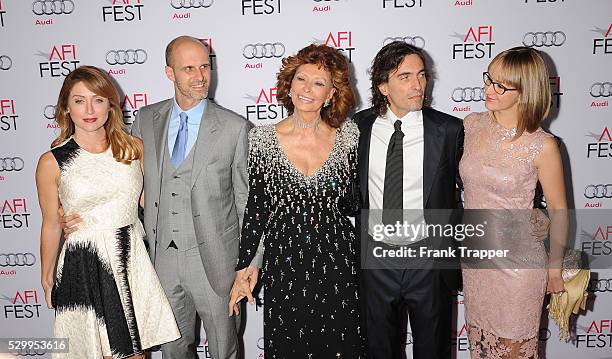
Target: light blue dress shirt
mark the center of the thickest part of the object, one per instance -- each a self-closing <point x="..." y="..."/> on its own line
<point x="194" y="117"/>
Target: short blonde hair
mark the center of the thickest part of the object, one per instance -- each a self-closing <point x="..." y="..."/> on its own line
<point x="524" y="69"/>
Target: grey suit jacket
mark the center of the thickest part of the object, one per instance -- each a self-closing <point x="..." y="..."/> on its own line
<point x="219" y="185"/>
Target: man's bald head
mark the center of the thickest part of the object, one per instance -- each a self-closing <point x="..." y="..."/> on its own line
<point x="177" y="42"/>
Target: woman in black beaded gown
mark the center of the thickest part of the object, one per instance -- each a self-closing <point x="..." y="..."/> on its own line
<point x="301" y="171"/>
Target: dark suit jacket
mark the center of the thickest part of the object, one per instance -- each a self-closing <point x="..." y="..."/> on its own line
<point x="443" y="147"/>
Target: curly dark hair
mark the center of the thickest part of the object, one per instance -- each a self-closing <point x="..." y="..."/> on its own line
<point x="332" y="61"/>
<point x="387" y="60"/>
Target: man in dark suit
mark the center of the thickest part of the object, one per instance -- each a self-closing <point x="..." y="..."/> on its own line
<point x="409" y="157"/>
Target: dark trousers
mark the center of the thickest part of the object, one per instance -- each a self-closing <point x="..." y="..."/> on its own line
<point x="388" y="294"/>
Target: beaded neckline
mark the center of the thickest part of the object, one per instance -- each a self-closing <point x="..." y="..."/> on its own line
<point x="293" y="167"/>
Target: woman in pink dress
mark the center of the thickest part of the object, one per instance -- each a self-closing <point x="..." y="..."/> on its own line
<point x="506" y="154"/>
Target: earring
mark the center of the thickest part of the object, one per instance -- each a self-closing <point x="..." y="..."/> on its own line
<point x="326" y="103"/>
<point x="289" y="94"/>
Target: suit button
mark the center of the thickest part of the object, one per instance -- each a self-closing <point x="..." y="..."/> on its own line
<point x="174" y="194"/>
<point x="155" y="204"/>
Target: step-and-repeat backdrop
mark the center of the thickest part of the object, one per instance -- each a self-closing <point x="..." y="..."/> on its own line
<point x="42" y="41"/>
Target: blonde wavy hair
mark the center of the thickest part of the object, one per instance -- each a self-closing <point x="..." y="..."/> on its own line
<point x="125" y="148"/>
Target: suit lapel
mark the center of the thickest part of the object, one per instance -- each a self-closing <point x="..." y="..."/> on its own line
<point x="365" y="136"/>
<point x="160" y="129"/>
<point x="207" y="139"/>
<point x="433" y="129"/>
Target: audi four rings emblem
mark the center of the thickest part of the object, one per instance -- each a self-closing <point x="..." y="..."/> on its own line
<point x="29" y="352"/>
<point x="5" y="62"/>
<point x="598" y="191"/>
<point x="17" y="259"/>
<point x="191" y="4"/>
<point x="10" y="164"/>
<point x="260" y="51"/>
<point x="601" y="89"/>
<point x="49" y="112"/>
<point x="600" y="285"/>
<point x="52" y="7"/>
<point x="468" y="94"/>
<point x="547" y="39"/>
<point x="417" y="41"/>
<point x="126" y="57"/>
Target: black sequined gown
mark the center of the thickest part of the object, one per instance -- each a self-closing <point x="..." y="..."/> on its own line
<point x="309" y="271"/>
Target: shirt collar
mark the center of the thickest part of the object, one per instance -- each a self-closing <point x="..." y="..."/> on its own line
<point x="194" y="114"/>
<point x="412" y="117"/>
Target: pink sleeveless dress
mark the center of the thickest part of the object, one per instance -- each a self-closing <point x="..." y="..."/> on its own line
<point x="503" y="305"/>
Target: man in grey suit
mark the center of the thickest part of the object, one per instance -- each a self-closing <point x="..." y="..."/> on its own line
<point x="195" y="190"/>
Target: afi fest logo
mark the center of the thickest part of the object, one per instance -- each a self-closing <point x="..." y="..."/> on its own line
<point x="598" y="334"/>
<point x="260" y="7"/>
<point x="601" y="91"/>
<point x="23" y="304"/>
<point x="130" y="105"/>
<point x="598" y="243"/>
<point x="14" y="214"/>
<point x="2" y="12"/>
<point x="256" y="53"/>
<point x="341" y="40"/>
<point x="264" y="106"/>
<point x="602" y="148"/>
<point x="460" y="340"/>
<point x="208" y="42"/>
<point x="123" y="10"/>
<point x="401" y="4"/>
<point x="555" y="90"/>
<point x="61" y="61"/>
<point x="602" y="45"/>
<point x="476" y="44"/>
<point x="8" y="116"/>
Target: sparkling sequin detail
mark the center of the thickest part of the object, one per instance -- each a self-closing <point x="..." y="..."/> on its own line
<point x="310" y="268"/>
<point x="499" y="173"/>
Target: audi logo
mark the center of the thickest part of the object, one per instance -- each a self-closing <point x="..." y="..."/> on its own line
<point x="51" y="7"/>
<point x="191" y="4"/>
<point x="417" y="41"/>
<point x="468" y="94"/>
<point x="598" y="191"/>
<point x="260" y="51"/>
<point x="9" y="164"/>
<point x="129" y="57"/>
<point x="544" y="334"/>
<point x="49" y="112"/>
<point x="600" y="285"/>
<point x="5" y="62"/>
<point x="601" y="89"/>
<point x="29" y="352"/>
<point x="547" y="39"/>
<point x="17" y="259"/>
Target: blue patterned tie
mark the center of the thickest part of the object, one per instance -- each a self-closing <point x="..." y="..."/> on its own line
<point x="180" y="145"/>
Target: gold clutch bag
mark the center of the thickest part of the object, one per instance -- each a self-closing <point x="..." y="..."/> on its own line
<point x="575" y="281"/>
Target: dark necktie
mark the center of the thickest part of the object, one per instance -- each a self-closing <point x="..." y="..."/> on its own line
<point x="393" y="195"/>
